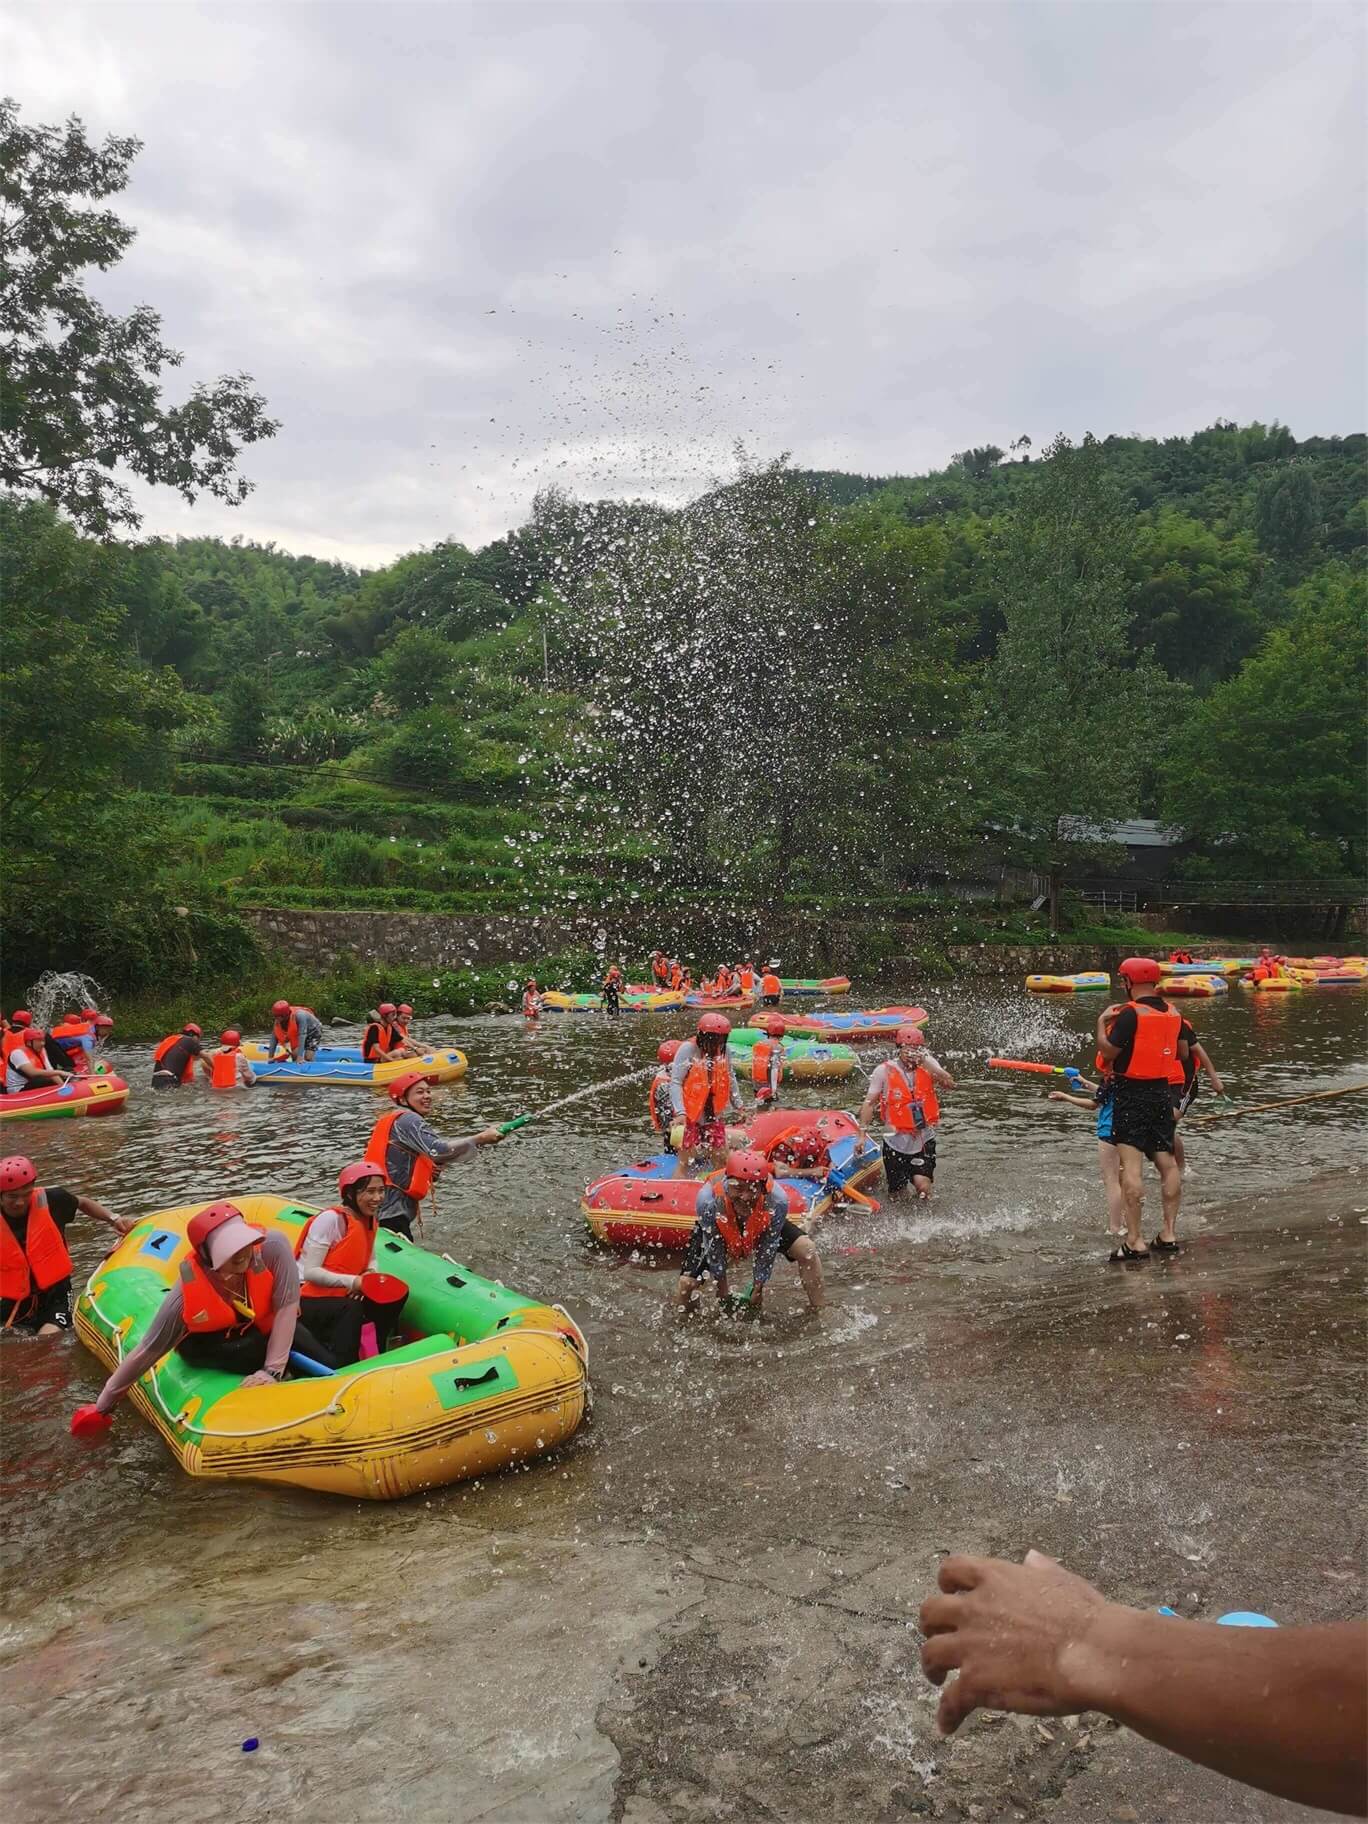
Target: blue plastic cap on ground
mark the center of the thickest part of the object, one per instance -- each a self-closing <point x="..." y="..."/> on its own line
<point x="251" y="1745"/>
<point x="1245" y="1618"/>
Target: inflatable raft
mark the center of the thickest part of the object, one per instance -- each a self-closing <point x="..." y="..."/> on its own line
<point x="631" y="1000"/>
<point x="101" y="1093"/>
<point x="720" y="1003"/>
<point x="645" y="1206"/>
<point x="805" y="1060"/>
<point x="796" y="987"/>
<point x="1273" y="984"/>
<point x="1193" y="986"/>
<point x="1087" y="979"/>
<point x="483" y="1380"/>
<point x="857" y="1028"/>
<point x="330" y="1069"/>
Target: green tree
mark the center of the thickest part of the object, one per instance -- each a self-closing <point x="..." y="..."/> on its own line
<point x="1274" y="762"/>
<point x="1068" y="717"/>
<point x="431" y="748"/>
<point x="416" y="668"/>
<point x="1193" y="596"/>
<point x="80" y="388"/>
<point x="1287" y="511"/>
<point x="245" y="709"/>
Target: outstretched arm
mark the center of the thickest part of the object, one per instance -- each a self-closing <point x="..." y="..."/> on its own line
<point x="1282" y="1709"/>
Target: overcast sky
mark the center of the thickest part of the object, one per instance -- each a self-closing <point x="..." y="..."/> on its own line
<point x="466" y="251"/>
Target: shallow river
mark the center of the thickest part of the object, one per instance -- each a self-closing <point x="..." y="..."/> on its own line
<point x="703" y="1607"/>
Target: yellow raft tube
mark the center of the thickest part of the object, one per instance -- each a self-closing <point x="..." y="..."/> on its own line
<point x="483" y="1380"/>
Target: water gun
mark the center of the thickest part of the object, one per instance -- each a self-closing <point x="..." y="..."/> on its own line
<point x="1067" y="1071"/>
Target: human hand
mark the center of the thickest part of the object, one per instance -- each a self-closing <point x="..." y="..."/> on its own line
<point x="488" y="1136"/>
<point x="1012" y="1632"/>
<point x="354" y="1290"/>
<point x="122" y="1224"/>
<point x="260" y="1379"/>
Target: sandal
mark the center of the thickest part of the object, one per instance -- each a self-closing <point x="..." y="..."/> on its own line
<point x="1124" y="1253"/>
<point x="1160" y="1246"/>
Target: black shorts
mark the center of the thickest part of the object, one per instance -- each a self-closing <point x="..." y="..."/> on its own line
<point x="787" y="1236"/>
<point x="770" y="1000"/>
<point x="1184" y="1095"/>
<point x="901" y="1168"/>
<point x="1143" y="1117"/>
<point x="50" y="1307"/>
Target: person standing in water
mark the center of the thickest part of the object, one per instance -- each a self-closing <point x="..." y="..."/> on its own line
<point x="1141" y="1044"/>
<point x="904" y="1092"/>
<point x="35" y="1267"/>
<point x="531" y="1000"/>
<point x="743" y="1213"/>
<point x="228" y="1068"/>
<point x="410" y="1152"/>
<point x="612" y="986"/>
<point x="173" y="1062"/>
<point x="703" y="1088"/>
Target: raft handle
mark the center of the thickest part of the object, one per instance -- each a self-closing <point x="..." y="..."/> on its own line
<point x="454" y="1279"/>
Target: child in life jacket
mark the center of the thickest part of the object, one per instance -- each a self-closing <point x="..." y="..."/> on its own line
<point x="659" y="1104"/>
<point x="228" y="1068"/>
<point x="531" y="1000"/>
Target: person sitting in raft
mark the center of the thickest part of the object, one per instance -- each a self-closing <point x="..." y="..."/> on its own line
<point x="235" y="1307"/>
<point x="384" y="1037"/>
<point x="411" y="1153"/>
<point x="27" y="1064"/>
<point x="531" y="1001"/>
<point x="298" y="1032"/>
<point x="228" y="1069"/>
<point x="659" y="1104"/>
<point x="771" y="988"/>
<point x="1180" y="956"/>
<point x="703" y="1088"/>
<point x="104" y="1027"/>
<point x="739" y="1213"/>
<point x="800" y="1153"/>
<point x="676" y="976"/>
<point x="73" y="1039"/>
<point x="613" y="983"/>
<point x="904" y="1092"/>
<point x="15" y="1028"/>
<point x="35" y="1267"/>
<point x="767" y="1061"/>
<point x="724" y="982"/>
<point x="403" y="1020"/>
<point x="173" y="1062"/>
<point x="336" y="1249"/>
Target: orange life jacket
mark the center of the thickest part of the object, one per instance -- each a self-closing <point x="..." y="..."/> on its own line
<point x="78" y="1056"/>
<point x="1155" y="1049"/>
<point x="11" y="1042"/>
<point x="42" y="1261"/>
<point x="223" y="1071"/>
<point x="770" y="984"/>
<point x="165" y="1046"/>
<point x="761" y="1053"/>
<point x="908" y="1108"/>
<point x="724" y="982"/>
<point x="350" y="1255"/>
<point x="531" y="1004"/>
<point x="377" y="1151"/>
<point x="676" y="978"/>
<point x="386" y="1040"/>
<point x="660" y="970"/>
<point x="747" y="981"/>
<point x="205" y="1309"/>
<point x="288" y="1033"/>
<point x="740" y="1238"/>
<point x="660" y="1080"/>
<point x="707" y="1090"/>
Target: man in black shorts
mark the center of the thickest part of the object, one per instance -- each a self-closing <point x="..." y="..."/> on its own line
<point x="35" y="1267"/>
<point x="1141" y="1044"/>
<point x="742" y="1213"/>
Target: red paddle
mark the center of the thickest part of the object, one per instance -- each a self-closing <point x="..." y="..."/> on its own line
<point x="89" y="1422"/>
<point x="384" y="1288"/>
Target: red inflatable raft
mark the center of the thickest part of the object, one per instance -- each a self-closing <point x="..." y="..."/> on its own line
<point x="101" y="1094"/>
<point x="856" y="1028"/>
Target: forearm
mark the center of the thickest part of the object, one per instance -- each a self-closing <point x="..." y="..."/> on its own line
<point x="130" y="1369"/>
<point x="281" y="1339"/>
<point x="1282" y="1709"/>
<point x="89" y="1206"/>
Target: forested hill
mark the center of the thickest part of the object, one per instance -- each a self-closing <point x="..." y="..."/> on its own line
<point x="812" y="685"/>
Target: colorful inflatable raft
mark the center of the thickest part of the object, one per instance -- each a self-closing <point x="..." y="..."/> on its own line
<point x="797" y="987"/>
<point x="329" y="1069"/>
<point x="1273" y="984"/>
<point x="632" y="1000"/>
<point x="485" y="1379"/>
<point x="857" y="1028"/>
<point x="720" y="1003"/>
<point x="805" y="1060"/>
<point x="645" y="1206"/>
<point x="1193" y="986"/>
<point x="101" y="1093"/>
<point x="1087" y="979"/>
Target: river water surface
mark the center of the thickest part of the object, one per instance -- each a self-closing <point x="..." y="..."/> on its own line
<point x="704" y="1606"/>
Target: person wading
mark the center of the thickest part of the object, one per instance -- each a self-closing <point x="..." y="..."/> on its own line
<point x="1141" y="1045"/>
<point x="702" y="1088"/>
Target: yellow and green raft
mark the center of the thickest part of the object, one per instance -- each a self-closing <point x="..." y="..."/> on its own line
<point x="484" y="1380"/>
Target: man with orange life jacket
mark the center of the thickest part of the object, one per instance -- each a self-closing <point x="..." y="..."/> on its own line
<point x="234" y="1306"/>
<point x="740" y="1212"/>
<point x="336" y="1249"/>
<point x="660" y="969"/>
<point x="771" y="988"/>
<point x="659" y="1104"/>
<point x="724" y="982"/>
<point x="73" y="1037"/>
<point x="384" y="1037"/>
<point x="297" y="1031"/>
<point x="1141" y="1045"/>
<point x="173" y="1062"/>
<point x="411" y="1153"/>
<point x="228" y="1069"/>
<point x="27" y="1067"/>
<point x="15" y="1028"/>
<point x="745" y="979"/>
<point x="703" y="1087"/>
<point x="35" y="1267"/>
<point x="403" y="1020"/>
<point x="904" y="1092"/>
<point x="676" y="977"/>
<point x="767" y="1061"/>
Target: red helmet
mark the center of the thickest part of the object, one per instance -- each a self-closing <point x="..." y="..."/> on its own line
<point x="1140" y="969"/>
<point x="279" y="1007"/>
<point x="88" y="1013"/>
<point x="404" y="1007"/>
<point x="667" y="1051"/>
<point x="70" y="1017"/>
<point x="34" y="1036"/>
<point x="401" y="1086"/>
<point x="748" y="1166"/>
<point x="21" y="1017"/>
<point x="16" y="1172"/>
<point x="531" y="982"/>
<point x="202" y="1226"/>
<point x="387" y="1007"/>
<point x="806" y="1147"/>
<point x="714" y="1025"/>
<point x="191" y="1031"/>
<point x="909" y="1035"/>
<point x="775" y="1027"/>
<point x="231" y="1037"/>
<point x="357" y="1173"/>
<point x="103" y="1023"/>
